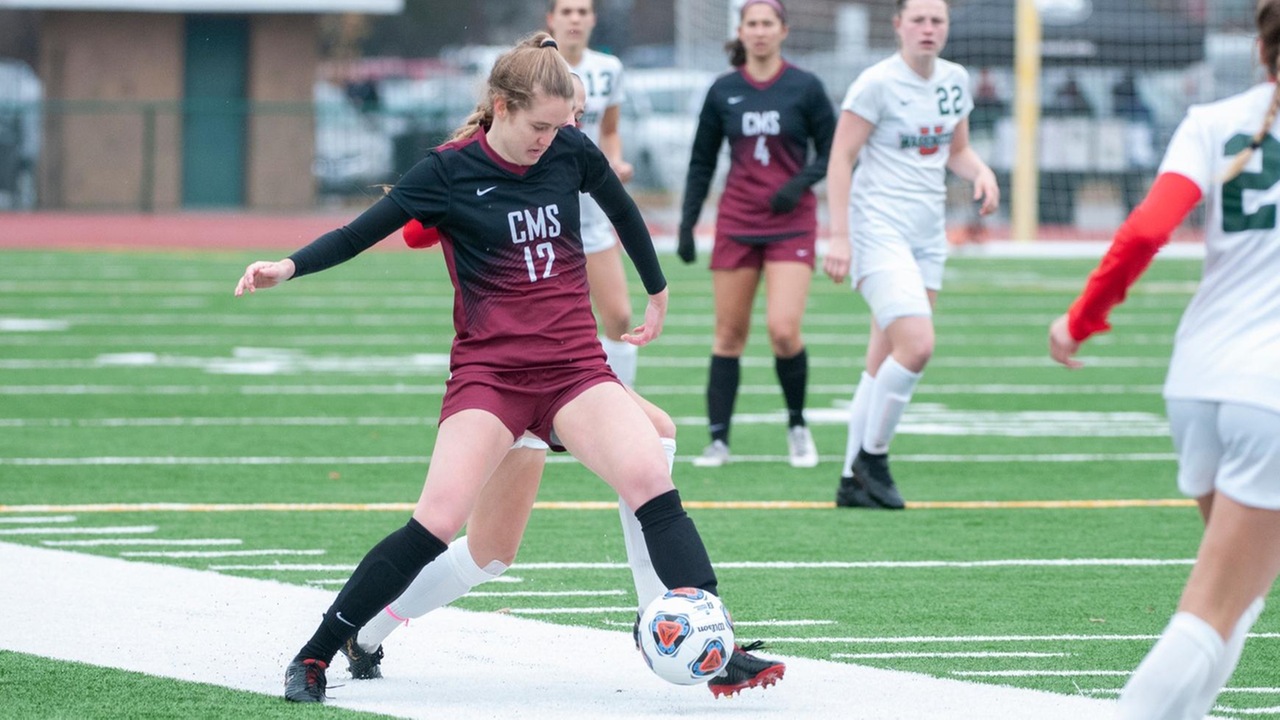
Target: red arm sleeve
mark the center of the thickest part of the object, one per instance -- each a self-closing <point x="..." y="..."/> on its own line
<point x="418" y="237"/>
<point x="1146" y="230"/>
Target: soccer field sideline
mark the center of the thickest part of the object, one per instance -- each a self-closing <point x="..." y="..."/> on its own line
<point x="238" y="633"/>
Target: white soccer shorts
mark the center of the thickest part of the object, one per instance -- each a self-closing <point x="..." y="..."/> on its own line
<point x="1228" y="447"/>
<point x="894" y="277"/>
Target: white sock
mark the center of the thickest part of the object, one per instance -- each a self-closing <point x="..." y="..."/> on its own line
<point x="648" y="584"/>
<point x="621" y="356"/>
<point x="1230" y="655"/>
<point x="857" y="421"/>
<point x="889" y="397"/>
<point x="1169" y="683"/>
<point x="443" y="580"/>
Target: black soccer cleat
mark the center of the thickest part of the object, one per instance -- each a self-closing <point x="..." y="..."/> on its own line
<point x="304" y="681"/>
<point x="745" y="670"/>
<point x="362" y="664"/>
<point x="871" y="485"/>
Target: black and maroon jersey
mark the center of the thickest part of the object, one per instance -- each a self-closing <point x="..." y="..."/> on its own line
<point x="770" y="126"/>
<point x="510" y="236"/>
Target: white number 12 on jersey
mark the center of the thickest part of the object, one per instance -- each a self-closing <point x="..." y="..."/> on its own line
<point x="544" y="251"/>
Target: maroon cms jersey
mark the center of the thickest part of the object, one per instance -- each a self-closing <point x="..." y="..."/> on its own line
<point x="511" y="240"/>
<point x="770" y="126"/>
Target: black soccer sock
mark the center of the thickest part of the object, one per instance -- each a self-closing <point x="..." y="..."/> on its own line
<point x="380" y="577"/>
<point x="793" y="376"/>
<point x="722" y="393"/>
<point x="676" y="549"/>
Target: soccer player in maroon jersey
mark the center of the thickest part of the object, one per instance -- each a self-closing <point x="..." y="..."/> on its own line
<point x="771" y="112"/>
<point x="525" y="355"/>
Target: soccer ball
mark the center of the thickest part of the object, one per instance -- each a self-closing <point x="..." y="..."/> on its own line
<point x="686" y="636"/>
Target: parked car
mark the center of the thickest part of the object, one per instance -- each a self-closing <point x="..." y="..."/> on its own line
<point x="659" y="119"/>
<point x="353" y="150"/>
<point x="20" y="93"/>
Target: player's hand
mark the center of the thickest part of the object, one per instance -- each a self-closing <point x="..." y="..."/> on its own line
<point x="655" y="313"/>
<point x="1061" y="345"/>
<point x="987" y="191"/>
<point x="685" y="248"/>
<point x="839" y="256"/>
<point x="786" y="199"/>
<point x="624" y="170"/>
<point x="262" y="275"/>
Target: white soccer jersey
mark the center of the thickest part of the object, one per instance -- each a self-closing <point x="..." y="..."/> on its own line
<point x="1228" y="343"/>
<point x="899" y="186"/>
<point x="601" y="74"/>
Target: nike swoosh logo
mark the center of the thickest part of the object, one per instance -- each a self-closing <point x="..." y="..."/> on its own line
<point x="480" y="192"/>
<point x="342" y="619"/>
<point x="735" y="100"/>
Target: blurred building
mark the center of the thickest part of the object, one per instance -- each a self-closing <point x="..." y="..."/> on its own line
<point x="166" y="104"/>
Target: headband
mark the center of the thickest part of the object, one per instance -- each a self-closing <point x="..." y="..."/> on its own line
<point x="777" y="7"/>
<point x="551" y="42"/>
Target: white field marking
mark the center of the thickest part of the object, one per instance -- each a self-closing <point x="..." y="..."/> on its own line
<point x="293" y="363"/>
<point x="919" y="419"/>
<point x="343" y="581"/>
<point x="610" y="506"/>
<point x="772" y="623"/>
<point x="780" y="565"/>
<point x="134" y="529"/>
<point x="570" y="611"/>
<point x="37" y="519"/>
<point x="1273" y="710"/>
<point x="33" y="325"/>
<point x="555" y="459"/>
<point x="1041" y="673"/>
<point x="215" y="553"/>
<point x="438" y="389"/>
<point x="943" y="655"/>
<point x="141" y="541"/>
<point x="548" y="593"/>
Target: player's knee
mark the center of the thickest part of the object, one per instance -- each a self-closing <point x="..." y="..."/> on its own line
<point x="914" y="354"/>
<point x="785" y="339"/>
<point x="662" y="422"/>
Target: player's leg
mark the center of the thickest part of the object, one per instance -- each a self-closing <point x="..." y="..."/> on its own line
<point x="469" y="446"/>
<point x="734" y="291"/>
<point x="1237" y="564"/>
<point x="613" y="306"/>
<point x="621" y="446"/>
<point x="786" y="292"/>
<point x="648" y="584"/>
<point x="494" y="531"/>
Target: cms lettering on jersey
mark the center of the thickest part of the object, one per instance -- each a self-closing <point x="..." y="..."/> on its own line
<point x="534" y="223"/>
<point x="761" y="123"/>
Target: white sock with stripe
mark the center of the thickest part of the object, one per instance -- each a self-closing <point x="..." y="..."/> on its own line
<point x="889" y="397"/>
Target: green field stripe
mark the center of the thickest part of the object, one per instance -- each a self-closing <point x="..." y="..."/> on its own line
<point x="599" y="505"/>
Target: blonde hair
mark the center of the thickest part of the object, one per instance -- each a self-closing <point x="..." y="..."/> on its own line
<point x="1268" y="22"/>
<point x="533" y="66"/>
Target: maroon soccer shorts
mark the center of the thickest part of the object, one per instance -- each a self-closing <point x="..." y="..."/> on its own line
<point x="730" y="254"/>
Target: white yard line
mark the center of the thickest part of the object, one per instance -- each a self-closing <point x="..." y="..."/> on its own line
<point x="192" y="625"/>
<point x="142" y="541"/>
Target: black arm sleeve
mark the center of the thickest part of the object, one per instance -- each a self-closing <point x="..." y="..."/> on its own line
<point x="338" y="246"/>
<point x="821" y="119"/>
<point x="632" y="231"/>
<point x="702" y="161"/>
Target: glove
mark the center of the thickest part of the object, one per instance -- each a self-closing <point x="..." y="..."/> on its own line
<point x="419" y="237"/>
<point x="684" y="245"/>
<point x="787" y="197"/>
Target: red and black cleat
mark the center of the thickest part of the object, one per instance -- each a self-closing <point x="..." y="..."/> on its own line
<point x="746" y="671"/>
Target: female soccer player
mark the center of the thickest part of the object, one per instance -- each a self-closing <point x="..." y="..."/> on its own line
<point x="1223" y="388"/>
<point x="771" y="112"/>
<point x="905" y="121"/>
<point x="526" y="355"/>
<point x="497" y="524"/>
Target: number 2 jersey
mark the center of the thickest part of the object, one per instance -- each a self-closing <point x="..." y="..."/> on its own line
<point x="899" y="186"/>
<point x="510" y="236"/>
<point x="1228" y="342"/>
<point x="769" y="126"/>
